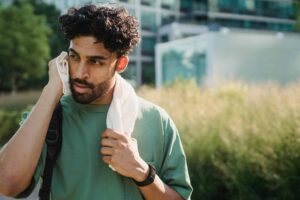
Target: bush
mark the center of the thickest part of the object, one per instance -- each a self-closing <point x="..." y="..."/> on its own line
<point x="12" y="106"/>
<point x="241" y="142"/>
<point x="9" y="124"/>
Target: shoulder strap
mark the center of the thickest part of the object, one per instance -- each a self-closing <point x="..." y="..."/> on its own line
<point x="54" y="142"/>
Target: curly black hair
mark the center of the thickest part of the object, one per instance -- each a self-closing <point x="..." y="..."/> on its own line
<point x="110" y="25"/>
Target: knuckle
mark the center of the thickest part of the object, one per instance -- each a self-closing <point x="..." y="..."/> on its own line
<point x="108" y="131"/>
<point x="115" y="151"/>
<point x="106" y="159"/>
<point x="113" y="161"/>
<point x="102" y="150"/>
<point x="125" y="138"/>
<point x="121" y="145"/>
<point x="105" y="133"/>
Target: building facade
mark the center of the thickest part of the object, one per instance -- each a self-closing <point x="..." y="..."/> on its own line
<point x="204" y="15"/>
<point x="167" y="20"/>
<point x="215" y="57"/>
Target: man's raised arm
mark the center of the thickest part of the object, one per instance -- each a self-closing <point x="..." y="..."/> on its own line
<point x="19" y="157"/>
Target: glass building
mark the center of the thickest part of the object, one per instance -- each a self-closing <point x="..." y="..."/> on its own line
<point x="248" y="40"/>
<point x="230" y="54"/>
<point x="254" y="14"/>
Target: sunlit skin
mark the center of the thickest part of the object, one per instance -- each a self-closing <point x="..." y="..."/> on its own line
<point x="92" y="69"/>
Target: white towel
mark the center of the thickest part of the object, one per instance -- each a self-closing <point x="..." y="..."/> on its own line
<point x="123" y="109"/>
<point x="63" y="71"/>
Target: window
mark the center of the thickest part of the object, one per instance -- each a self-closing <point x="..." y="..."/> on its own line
<point x="129" y="1"/>
<point x="169" y="4"/>
<point x="167" y="18"/>
<point x="148" y="44"/>
<point x="185" y="5"/>
<point x="148" y="3"/>
<point x="148" y="73"/>
<point x="148" y="21"/>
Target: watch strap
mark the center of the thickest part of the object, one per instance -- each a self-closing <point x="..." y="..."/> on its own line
<point x="149" y="179"/>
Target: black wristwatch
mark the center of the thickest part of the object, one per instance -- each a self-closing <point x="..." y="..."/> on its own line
<point x="150" y="177"/>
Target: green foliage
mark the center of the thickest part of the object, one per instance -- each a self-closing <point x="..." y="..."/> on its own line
<point x="242" y="142"/>
<point x="24" y="49"/>
<point x="9" y="124"/>
<point x="56" y="42"/>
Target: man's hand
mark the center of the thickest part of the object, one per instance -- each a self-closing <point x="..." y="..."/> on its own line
<point x="55" y="82"/>
<point x="121" y="152"/>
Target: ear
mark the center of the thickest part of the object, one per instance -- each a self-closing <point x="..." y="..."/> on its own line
<point x="122" y="63"/>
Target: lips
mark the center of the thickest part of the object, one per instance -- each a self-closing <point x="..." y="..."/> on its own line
<point x="80" y="88"/>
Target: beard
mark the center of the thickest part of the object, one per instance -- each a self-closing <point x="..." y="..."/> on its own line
<point x="94" y="91"/>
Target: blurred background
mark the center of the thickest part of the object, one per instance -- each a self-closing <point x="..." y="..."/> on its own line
<point x="227" y="71"/>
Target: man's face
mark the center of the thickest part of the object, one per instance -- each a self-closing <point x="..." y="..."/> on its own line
<point x="92" y="69"/>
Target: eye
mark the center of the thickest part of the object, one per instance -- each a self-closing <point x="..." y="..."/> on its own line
<point x="73" y="56"/>
<point x="96" y="62"/>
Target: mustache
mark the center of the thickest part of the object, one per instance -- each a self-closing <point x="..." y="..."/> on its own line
<point x="82" y="82"/>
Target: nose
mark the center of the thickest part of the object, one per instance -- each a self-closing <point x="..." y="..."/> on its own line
<point x="82" y="71"/>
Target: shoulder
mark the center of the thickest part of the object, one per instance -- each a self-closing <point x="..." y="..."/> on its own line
<point x="155" y="117"/>
<point x="149" y="108"/>
<point x="67" y="104"/>
<point x="66" y="100"/>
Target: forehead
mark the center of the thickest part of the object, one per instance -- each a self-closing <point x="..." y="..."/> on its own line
<point x="88" y="46"/>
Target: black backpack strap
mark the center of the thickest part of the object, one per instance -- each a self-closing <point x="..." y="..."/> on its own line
<point x="54" y="142"/>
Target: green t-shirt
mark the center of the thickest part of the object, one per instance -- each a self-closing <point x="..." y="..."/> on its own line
<point x="80" y="173"/>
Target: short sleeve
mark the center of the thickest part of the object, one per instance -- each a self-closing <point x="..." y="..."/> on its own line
<point x="174" y="171"/>
<point x="39" y="168"/>
<point x="24" y="116"/>
<point x="36" y="176"/>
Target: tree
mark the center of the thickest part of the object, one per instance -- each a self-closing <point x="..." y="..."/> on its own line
<point x="57" y="42"/>
<point x="24" y="49"/>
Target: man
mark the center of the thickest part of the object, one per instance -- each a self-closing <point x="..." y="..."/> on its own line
<point x="96" y="162"/>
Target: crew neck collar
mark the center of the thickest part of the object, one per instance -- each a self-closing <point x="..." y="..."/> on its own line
<point x="87" y="107"/>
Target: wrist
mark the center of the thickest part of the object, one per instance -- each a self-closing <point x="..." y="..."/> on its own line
<point x="53" y="92"/>
<point x="149" y="179"/>
<point x="141" y="172"/>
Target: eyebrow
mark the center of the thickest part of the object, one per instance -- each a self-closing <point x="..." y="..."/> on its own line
<point x="90" y="57"/>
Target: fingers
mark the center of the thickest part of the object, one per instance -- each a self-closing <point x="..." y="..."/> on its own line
<point x="106" y="159"/>
<point x="107" y="151"/>
<point x="108" y="133"/>
<point x="115" y="146"/>
<point x="61" y="56"/>
<point x="108" y="142"/>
